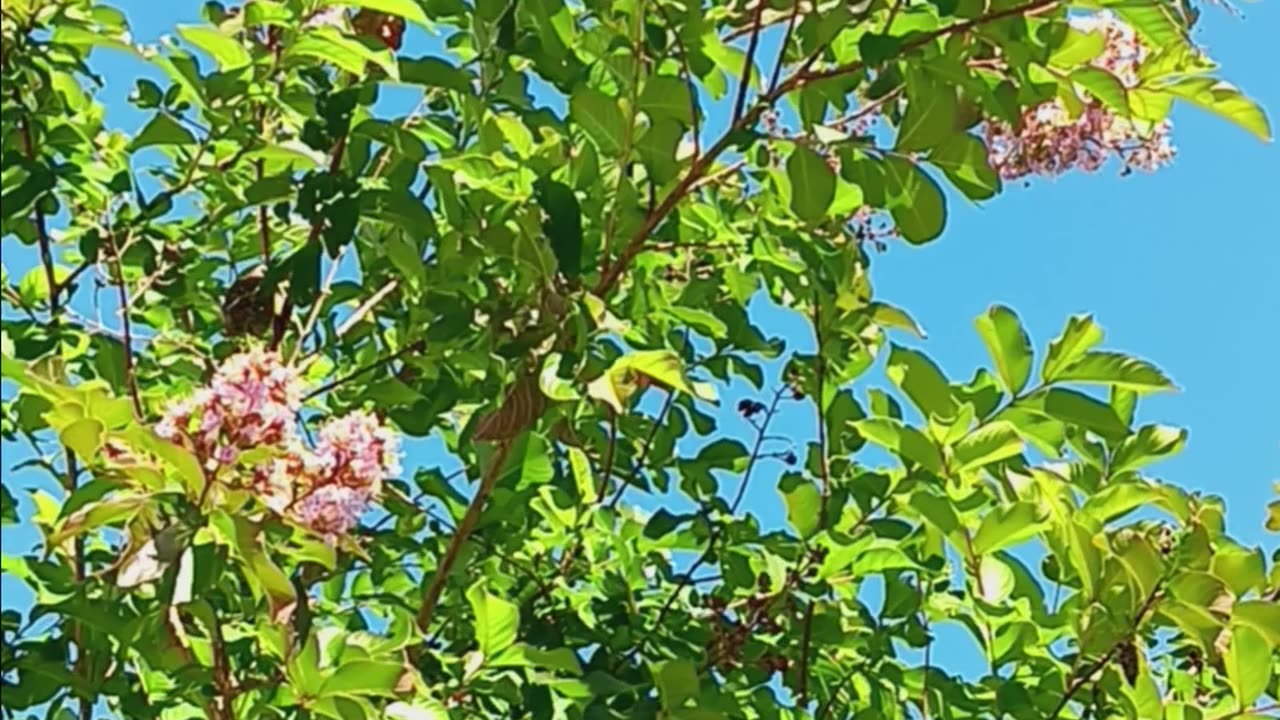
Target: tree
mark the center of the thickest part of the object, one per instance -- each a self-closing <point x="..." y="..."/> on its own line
<point x="546" y="264"/>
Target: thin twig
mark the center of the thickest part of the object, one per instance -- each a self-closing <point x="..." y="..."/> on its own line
<point x="628" y="139"/>
<point x="612" y="274"/>
<point x="717" y="531"/>
<point x="343" y="380"/>
<point x="1078" y="681"/>
<point x="431" y="596"/>
<point x="688" y="78"/>
<point x="126" y="327"/>
<point x="824" y="473"/>
<point x="748" y="63"/>
<point x="71" y="476"/>
<point x="326" y="288"/>
<point x="317" y="228"/>
<point x="782" y="49"/>
<point x="893" y="15"/>
<point x="366" y="307"/>
<point x="644" y="450"/>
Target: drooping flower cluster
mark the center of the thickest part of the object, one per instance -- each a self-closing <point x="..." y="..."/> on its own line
<point x="1050" y="139"/>
<point x="252" y="404"/>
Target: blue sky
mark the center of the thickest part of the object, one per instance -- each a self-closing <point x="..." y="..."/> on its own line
<point x="1179" y="267"/>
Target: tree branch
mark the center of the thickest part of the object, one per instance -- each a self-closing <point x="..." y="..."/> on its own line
<point x="824" y="474"/>
<point x="748" y="63"/>
<point x="126" y="327"/>
<point x="1078" y="681"/>
<point x="431" y="596"/>
<point x="687" y="577"/>
<point x="612" y="274"/>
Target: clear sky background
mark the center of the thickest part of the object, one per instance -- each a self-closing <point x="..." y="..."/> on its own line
<point x="1181" y="267"/>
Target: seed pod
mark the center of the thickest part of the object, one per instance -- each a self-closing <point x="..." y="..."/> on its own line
<point x="522" y="406"/>
<point x="1127" y="658"/>
<point x="247" y="309"/>
<point x="388" y="29"/>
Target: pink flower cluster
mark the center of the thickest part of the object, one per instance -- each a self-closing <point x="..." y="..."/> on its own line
<point x="252" y="404"/>
<point x="1050" y="140"/>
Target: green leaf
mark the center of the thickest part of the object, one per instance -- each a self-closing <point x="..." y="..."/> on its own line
<point x="990" y="443"/>
<point x="344" y="53"/>
<point x="930" y="117"/>
<point x="364" y="678"/>
<point x="663" y="366"/>
<point x="1080" y="334"/>
<point x="1077" y="48"/>
<point x="1225" y="100"/>
<point x="922" y="381"/>
<point x="162" y="130"/>
<point x="1104" y="86"/>
<point x="563" y="225"/>
<point x="599" y="116"/>
<point x="1119" y="500"/>
<point x="903" y="440"/>
<point x="522" y="655"/>
<point x="1248" y="663"/>
<point x="965" y="161"/>
<point x="915" y="201"/>
<point x="995" y="579"/>
<point x="1117" y="370"/>
<point x="1007" y="526"/>
<point x="1009" y="346"/>
<point x="418" y="710"/>
<point x="803" y="502"/>
<point x="8" y="507"/>
<point x="1149" y="444"/>
<point x="1260" y="615"/>
<point x="667" y="96"/>
<point x="889" y="317"/>
<point x="1240" y="568"/>
<point x="226" y="51"/>
<point x="1075" y="408"/>
<point x="497" y="620"/>
<point x="813" y="185"/>
<point x="1084" y="555"/>
<point x="880" y="559"/>
<point x="406" y="259"/>
<point x="96" y="515"/>
<point x="84" y="437"/>
<point x="677" y="682"/>
<point x="407" y="9"/>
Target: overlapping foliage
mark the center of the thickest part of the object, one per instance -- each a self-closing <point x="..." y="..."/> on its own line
<point x="546" y="264"/>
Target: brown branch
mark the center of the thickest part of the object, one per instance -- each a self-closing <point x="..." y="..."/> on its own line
<point x="612" y="274"/>
<point x="688" y="79"/>
<point x="748" y="62"/>
<point x="824" y="472"/>
<point x="126" y="326"/>
<point x="281" y="322"/>
<point x="333" y="384"/>
<point x="431" y="596"/>
<point x="644" y="450"/>
<point x="72" y="472"/>
<point x="609" y="454"/>
<point x="782" y="49"/>
<point x="718" y="530"/>
<point x="1030" y="8"/>
<point x="366" y="307"/>
<point x="1079" y="681"/>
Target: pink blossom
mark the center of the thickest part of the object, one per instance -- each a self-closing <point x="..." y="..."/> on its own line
<point x="252" y="403"/>
<point x="332" y="510"/>
<point x="1049" y="139"/>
